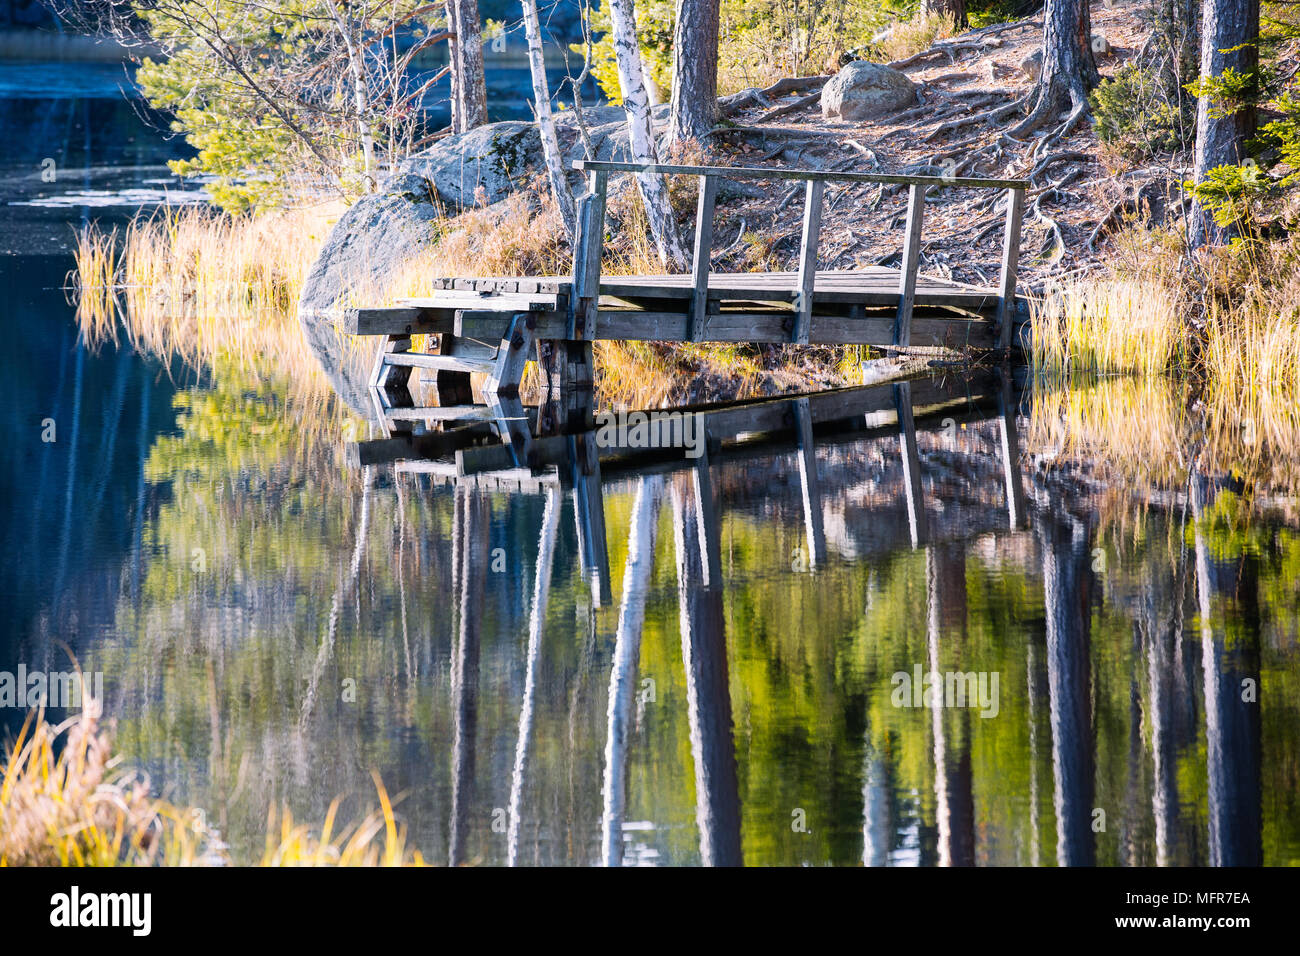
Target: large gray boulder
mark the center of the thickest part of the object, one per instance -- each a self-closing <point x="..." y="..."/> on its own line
<point x="862" y="91"/>
<point x="484" y="165"/>
<point x="377" y="236"/>
<point x="370" y="243"/>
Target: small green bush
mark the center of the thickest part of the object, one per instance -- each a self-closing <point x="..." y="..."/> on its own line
<point x="1135" y="114"/>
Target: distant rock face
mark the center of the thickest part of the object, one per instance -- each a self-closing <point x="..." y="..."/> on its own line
<point x="370" y="243"/>
<point x="862" y="90"/>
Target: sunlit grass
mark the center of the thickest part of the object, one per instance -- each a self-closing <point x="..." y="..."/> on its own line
<point x="65" y="800"/>
<point x="1107" y="326"/>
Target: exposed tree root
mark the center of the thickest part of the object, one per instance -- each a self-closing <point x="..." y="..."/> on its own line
<point x="996" y="115"/>
<point x="801" y="103"/>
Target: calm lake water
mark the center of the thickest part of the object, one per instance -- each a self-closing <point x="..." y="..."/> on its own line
<point x="273" y="626"/>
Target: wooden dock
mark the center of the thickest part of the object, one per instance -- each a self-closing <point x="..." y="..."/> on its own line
<point x="495" y="325"/>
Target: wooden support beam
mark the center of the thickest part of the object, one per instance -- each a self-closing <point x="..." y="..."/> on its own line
<point x="812" y="227"/>
<point x="424" y="360"/>
<point x="703" y="250"/>
<point x="911" y="264"/>
<point x="1010" y="264"/>
<point x="397" y="320"/>
<point x="512" y="355"/>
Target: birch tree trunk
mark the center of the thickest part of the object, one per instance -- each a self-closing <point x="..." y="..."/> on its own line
<point x="695" y="70"/>
<point x="1229" y="38"/>
<point x="636" y="103"/>
<point x="545" y="123"/>
<point x="468" y="87"/>
<point x="360" y="93"/>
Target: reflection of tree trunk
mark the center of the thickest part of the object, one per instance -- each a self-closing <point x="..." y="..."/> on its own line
<point x="326" y="650"/>
<point x="536" y="625"/>
<point x="627" y="652"/>
<point x="876" y="830"/>
<point x="1033" y="668"/>
<point x="471" y="548"/>
<point x="953" y="782"/>
<point x="1067" y="587"/>
<point x="708" y="694"/>
<point x="1230" y="654"/>
<point x="1162" y="625"/>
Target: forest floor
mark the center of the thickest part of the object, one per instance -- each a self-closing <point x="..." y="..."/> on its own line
<point x="1077" y="184"/>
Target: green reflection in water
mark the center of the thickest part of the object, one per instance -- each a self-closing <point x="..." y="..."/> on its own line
<point x="297" y="627"/>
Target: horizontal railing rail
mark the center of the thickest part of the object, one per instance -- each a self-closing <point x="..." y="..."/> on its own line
<point x="830" y="176"/>
<point x="584" y="301"/>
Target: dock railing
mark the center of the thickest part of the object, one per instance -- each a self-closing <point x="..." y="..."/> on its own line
<point x="589" y="243"/>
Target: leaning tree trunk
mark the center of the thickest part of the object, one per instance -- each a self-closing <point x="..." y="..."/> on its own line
<point x="1068" y="72"/>
<point x="640" y="128"/>
<point x="468" y="87"/>
<point x="954" y="10"/>
<point x="695" y="70"/>
<point x="545" y="123"/>
<point x="1229" y="40"/>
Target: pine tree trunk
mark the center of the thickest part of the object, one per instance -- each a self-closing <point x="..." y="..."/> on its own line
<point x="468" y="87"/>
<point x="636" y="103"/>
<point x="1229" y="36"/>
<point x="1069" y="70"/>
<point x="695" y="70"/>
<point x="545" y="123"/>
<point x="954" y="10"/>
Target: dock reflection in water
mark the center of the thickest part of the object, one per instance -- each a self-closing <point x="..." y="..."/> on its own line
<point x="783" y="585"/>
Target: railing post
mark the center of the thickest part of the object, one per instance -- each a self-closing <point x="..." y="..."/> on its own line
<point x="911" y="263"/>
<point x="703" y="249"/>
<point x="575" y="352"/>
<point x="812" y="226"/>
<point x="1010" y="262"/>
<point x="588" y="245"/>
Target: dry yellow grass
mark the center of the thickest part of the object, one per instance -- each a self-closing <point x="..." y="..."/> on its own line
<point x="66" y="801"/>
<point x="1112" y="325"/>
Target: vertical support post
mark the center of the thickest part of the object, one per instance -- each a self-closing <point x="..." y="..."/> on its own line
<point x="812" y="227"/>
<point x="911" y="263"/>
<point x="700" y="268"/>
<point x="575" y="354"/>
<point x="588" y="244"/>
<point x="1010" y="261"/>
